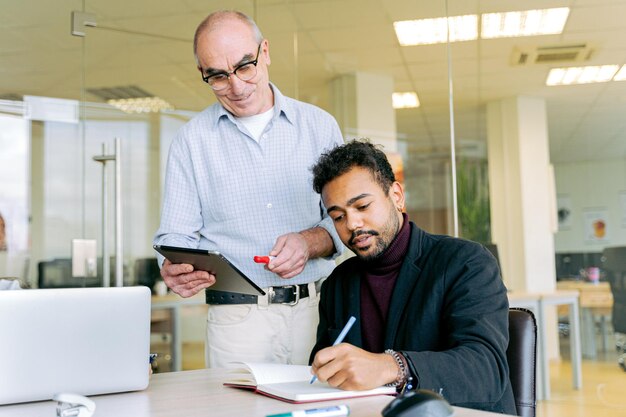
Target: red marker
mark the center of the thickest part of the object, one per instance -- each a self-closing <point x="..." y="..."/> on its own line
<point x="263" y="259"/>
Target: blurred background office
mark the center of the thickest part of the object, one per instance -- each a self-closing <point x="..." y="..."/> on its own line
<point x="509" y="131"/>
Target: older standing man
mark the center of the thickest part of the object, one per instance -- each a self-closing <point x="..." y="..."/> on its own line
<point x="238" y="182"/>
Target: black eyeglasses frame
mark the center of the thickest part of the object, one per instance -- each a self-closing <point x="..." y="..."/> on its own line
<point x="207" y="78"/>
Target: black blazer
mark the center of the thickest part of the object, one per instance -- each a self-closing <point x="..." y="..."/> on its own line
<point x="448" y="315"/>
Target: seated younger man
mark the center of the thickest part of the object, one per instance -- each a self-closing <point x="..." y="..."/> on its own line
<point x="431" y="310"/>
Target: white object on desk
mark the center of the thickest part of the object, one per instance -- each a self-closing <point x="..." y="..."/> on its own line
<point x="160" y="288"/>
<point x="332" y="411"/>
<point x="74" y="405"/>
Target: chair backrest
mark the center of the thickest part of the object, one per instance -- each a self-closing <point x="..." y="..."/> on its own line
<point x="57" y="273"/>
<point x="522" y="357"/>
<point x="147" y="271"/>
<point x="615" y="265"/>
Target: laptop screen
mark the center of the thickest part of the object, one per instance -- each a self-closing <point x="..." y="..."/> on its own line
<point x="82" y="340"/>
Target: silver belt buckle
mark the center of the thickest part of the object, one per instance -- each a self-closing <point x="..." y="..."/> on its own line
<point x="296" y="293"/>
<point x="270" y="295"/>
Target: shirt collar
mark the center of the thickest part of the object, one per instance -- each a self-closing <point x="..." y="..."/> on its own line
<point x="281" y="106"/>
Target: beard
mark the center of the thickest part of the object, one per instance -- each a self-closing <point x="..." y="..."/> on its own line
<point x="382" y="239"/>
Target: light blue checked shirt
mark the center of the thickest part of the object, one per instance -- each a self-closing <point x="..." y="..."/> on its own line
<point x="224" y="191"/>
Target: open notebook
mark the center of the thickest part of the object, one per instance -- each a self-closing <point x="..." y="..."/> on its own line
<point x="80" y="340"/>
<point x="290" y="383"/>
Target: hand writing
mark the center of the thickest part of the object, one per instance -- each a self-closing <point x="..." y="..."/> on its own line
<point x="350" y="368"/>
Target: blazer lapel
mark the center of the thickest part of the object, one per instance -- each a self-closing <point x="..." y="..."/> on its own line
<point x="407" y="278"/>
<point x="354" y="308"/>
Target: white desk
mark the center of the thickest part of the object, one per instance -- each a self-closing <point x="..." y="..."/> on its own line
<point x="201" y="394"/>
<point x="174" y="303"/>
<point x="565" y="298"/>
<point x="596" y="301"/>
<point x="537" y="303"/>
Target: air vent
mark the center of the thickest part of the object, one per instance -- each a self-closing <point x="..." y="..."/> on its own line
<point x="117" y="93"/>
<point x="551" y="54"/>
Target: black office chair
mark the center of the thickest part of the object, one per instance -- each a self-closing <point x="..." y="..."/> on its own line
<point x="615" y="266"/>
<point x="57" y="273"/>
<point x="493" y="248"/>
<point x="522" y="357"/>
<point x="147" y="271"/>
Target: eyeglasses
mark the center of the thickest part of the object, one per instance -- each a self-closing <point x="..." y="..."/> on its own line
<point x="245" y="72"/>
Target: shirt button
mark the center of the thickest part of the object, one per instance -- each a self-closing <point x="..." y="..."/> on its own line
<point x="269" y="205"/>
<point x="264" y="136"/>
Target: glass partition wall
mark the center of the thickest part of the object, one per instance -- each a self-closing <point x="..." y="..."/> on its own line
<point x="55" y="115"/>
<point x="53" y="185"/>
<point x="99" y="50"/>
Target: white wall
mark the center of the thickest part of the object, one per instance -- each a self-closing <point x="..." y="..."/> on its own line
<point x="592" y="186"/>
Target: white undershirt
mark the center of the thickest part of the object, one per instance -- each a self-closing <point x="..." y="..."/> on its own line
<point x="257" y="123"/>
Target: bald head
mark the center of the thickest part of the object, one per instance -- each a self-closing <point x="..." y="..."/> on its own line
<point x="220" y="18"/>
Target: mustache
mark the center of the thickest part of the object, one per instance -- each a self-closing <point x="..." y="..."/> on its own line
<point x="361" y="232"/>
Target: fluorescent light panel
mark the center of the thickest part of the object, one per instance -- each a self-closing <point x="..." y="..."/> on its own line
<point x="523" y="23"/>
<point x="141" y="105"/>
<point x="581" y="75"/>
<point x="621" y="74"/>
<point x="493" y="25"/>
<point x="405" y="100"/>
<point x="431" y="31"/>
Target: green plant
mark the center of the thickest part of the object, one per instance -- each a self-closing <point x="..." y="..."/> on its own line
<point x="473" y="200"/>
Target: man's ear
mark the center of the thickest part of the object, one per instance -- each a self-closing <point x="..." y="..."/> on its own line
<point x="396" y="192"/>
<point x="265" y="49"/>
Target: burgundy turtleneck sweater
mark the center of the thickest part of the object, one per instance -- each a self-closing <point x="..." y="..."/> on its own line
<point x="378" y="281"/>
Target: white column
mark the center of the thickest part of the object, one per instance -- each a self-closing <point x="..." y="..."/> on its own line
<point x="522" y="192"/>
<point x="361" y="103"/>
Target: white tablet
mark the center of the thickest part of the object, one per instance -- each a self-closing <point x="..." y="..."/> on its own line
<point x="229" y="277"/>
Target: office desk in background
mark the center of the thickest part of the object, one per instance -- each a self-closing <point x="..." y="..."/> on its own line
<point x="596" y="301"/>
<point x="173" y="304"/>
<point x="200" y="393"/>
<point x="537" y="303"/>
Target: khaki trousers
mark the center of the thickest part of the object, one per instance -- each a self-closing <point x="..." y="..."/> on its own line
<point x="270" y="333"/>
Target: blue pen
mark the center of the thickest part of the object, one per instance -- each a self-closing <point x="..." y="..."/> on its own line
<point x="340" y="338"/>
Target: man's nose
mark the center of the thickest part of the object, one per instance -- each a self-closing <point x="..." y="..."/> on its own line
<point x="354" y="222"/>
<point x="236" y="85"/>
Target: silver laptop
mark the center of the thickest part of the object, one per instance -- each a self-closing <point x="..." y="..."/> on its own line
<point x="80" y="340"/>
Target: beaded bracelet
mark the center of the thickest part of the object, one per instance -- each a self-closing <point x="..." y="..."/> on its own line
<point x="403" y="371"/>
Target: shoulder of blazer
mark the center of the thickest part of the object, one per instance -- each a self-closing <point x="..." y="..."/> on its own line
<point x="421" y="244"/>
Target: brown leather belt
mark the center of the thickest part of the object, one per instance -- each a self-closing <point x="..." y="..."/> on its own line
<point x="288" y="294"/>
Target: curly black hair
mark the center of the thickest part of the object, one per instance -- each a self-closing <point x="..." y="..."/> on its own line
<point x="358" y="152"/>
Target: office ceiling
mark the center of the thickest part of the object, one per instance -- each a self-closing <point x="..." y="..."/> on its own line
<point x="148" y="44"/>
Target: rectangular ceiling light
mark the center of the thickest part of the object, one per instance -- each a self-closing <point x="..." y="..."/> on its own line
<point x="524" y="23"/>
<point x="431" y="31"/>
<point x="407" y="100"/>
<point x="581" y="75"/>
<point x="621" y="74"/>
